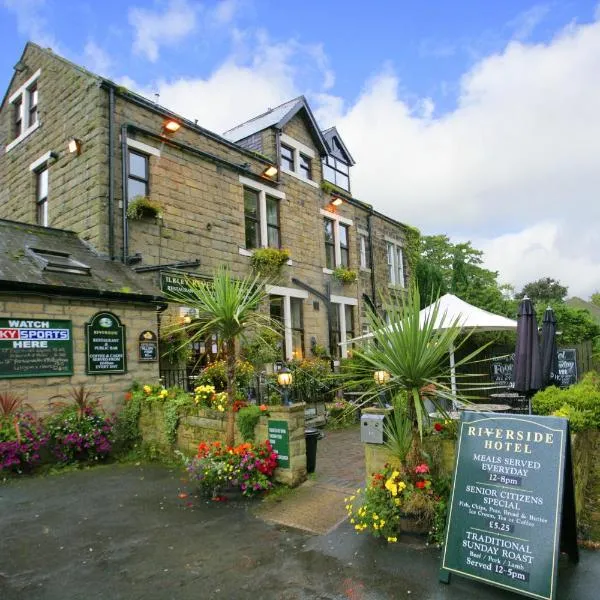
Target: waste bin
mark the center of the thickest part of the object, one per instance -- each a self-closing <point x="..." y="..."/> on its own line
<point x="312" y="437"/>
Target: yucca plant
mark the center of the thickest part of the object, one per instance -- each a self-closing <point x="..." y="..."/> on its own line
<point x="413" y="349"/>
<point x="230" y="308"/>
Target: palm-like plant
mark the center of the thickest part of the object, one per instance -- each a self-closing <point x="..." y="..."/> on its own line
<point x="413" y="349"/>
<point x="230" y="308"/>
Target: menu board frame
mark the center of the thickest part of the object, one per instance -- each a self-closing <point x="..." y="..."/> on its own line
<point x="484" y="518"/>
<point x="92" y="344"/>
<point x="279" y="436"/>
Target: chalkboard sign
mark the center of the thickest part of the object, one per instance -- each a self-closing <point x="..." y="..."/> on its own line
<point x="501" y="370"/>
<point x="35" y="348"/>
<point x="147" y="347"/>
<point x="105" y="345"/>
<point x="512" y="507"/>
<point x="567" y="367"/>
<point x="280" y="440"/>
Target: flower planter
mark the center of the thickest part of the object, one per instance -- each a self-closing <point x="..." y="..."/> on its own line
<point x="413" y="525"/>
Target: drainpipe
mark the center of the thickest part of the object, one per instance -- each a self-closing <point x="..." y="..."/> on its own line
<point x="111" y="174"/>
<point x="124" y="194"/>
<point x="372" y="262"/>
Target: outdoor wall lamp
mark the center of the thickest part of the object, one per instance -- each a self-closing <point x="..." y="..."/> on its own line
<point x="187" y="319"/>
<point x="381" y="378"/>
<point x="337" y="202"/>
<point x="74" y="146"/>
<point x="284" y="379"/>
<point x="270" y="171"/>
<point x="171" y="126"/>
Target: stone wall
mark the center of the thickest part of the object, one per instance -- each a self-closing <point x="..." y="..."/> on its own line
<point x="203" y="424"/>
<point x="37" y="391"/>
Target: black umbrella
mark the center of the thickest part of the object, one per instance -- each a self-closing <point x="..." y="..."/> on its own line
<point x="527" y="369"/>
<point x="549" y="350"/>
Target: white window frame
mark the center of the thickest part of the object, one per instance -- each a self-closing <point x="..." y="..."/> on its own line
<point x="22" y="93"/>
<point x="299" y="148"/>
<point x="42" y="163"/>
<point x="396" y="278"/>
<point x="263" y="192"/>
<point x="343" y="301"/>
<point x="337" y="219"/>
<point x="287" y="293"/>
<point x="363" y="252"/>
<point x="144" y="148"/>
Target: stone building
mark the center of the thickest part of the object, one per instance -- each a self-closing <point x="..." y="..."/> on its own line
<point x="79" y="152"/>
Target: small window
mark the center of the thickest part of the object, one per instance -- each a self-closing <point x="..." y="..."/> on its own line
<point x="363" y="251"/>
<point x="276" y="313"/>
<point x="272" y="222"/>
<point x="344" y="246"/>
<point x="395" y="262"/>
<point x="349" y="313"/>
<point x="335" y="334"/>
<point x="251" y="218"/>
<point x="52" y="260"/>
<point x="137" y="182"/>
<point x="41" y="196"/>
<point x="329" y="244"/>
<point x="337" y="172"/>
<point x="305" y="166"/>
<point x="18" y="117"/>
<point x="33" y="104"/>
<point x="287" y="158"/>
<point x="399" y="266"/>
<point x="297" y="321"/>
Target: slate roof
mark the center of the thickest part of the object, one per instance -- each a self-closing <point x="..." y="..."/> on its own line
<point x="22" y="270"/>
<point x="329" y="134"/>
<point x="277" y="117"/>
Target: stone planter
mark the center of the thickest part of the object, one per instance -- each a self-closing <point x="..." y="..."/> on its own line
<point x="413" y="525"/>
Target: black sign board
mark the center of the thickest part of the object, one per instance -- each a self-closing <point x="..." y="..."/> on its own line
<point x="148" y="346"/>
<point x="501" y="370"/>
<point x="512" y="508"/>
<point x="105" y="345"/>
<point x="35" y="348"/>
<point x="567" y="367"/>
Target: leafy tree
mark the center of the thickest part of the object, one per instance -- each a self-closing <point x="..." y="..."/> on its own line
<point x="230" y="308"/>
<point x="545" y="290"/>
<point x="575" y="324"/>
<point x="596" y="298"/>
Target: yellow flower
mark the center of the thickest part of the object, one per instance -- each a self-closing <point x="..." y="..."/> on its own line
<point x="147" y="389"/>
<point x="352" y="521"/>
<point x="381" y="523"/>
<point x="375" y="516"/>
<point x="392" y="539"/>
<point x="164" y="393"/>
<point x="357" y="527"/>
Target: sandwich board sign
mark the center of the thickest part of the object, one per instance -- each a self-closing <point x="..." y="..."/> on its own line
<point x="512" y="509"/>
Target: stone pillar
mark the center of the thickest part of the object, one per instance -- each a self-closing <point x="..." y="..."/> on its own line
<point x="295" y="474"/>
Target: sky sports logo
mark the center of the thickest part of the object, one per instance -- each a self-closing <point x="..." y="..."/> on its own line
<point x="32" y="334"/>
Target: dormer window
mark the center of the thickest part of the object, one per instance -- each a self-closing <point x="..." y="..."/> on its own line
<point x="337" y="172"/>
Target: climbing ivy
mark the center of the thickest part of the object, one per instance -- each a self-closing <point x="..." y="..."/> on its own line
<point x="412" y="248"/>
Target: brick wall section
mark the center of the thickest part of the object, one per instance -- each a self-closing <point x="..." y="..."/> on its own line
<point x="70" y="105"/>
<point x="111" y="388"/>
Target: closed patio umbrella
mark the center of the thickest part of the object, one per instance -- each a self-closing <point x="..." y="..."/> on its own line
<point x="527" y="369"/>
<point x="549" y="350"/>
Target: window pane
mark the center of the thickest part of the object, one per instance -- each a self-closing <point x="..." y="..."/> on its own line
<point x="272" y="211"/>
<point x="328" y="231"/>
<point x="341" y="166"/>
<point x="349" y="313"/>
<point x="344" y="257"/>
<point x="343" y="235"/>
<point x="329" y="244"/>
<point x="33" y="96"/>
<point x="42" y="184"/>
<point x="287" y="158"/>
<point x="296" y="305"/>
<point x="273" y="237"/>
<point x="276" y="308"/>
<point x="390" y="262"/>
<point x="138" y="165"/>
<point x="135" y="188"/>
<point x="328" y="173"/>
<point x="399" y="266"/>
<point x="342" y="181"/>
<point x="363" y="252"/>
<point x="252" y="233"/>
<point x="297" y="344"/>
<point x="305" y="166"/>
<point x="251" y="203"/>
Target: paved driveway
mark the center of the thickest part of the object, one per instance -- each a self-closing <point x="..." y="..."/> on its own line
<point x="122" y="532"/>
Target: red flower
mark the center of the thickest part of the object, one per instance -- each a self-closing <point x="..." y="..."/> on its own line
<point x="263" y="407"/>
<point x="128" y="396"/>
<point x="420" y="484"/>
<point x="438" y="427"/>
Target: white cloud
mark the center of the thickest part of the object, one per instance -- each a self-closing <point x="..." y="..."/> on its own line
<point x="32" y="23"/>
<point x="154" y="29"/>
<point x="96" y="59"/>
<point x="521" y="146"/>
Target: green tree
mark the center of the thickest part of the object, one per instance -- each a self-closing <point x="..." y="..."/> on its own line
<point x="545" y="290"/>
<point x="230" y="308"/>
<point x="575" y="324"/>
<point x="595" y="298"/>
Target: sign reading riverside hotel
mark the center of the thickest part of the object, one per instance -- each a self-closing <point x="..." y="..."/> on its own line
<point x="105" y="345"/>
<point x="512" y="508"/>
<point x="35" y="348"/>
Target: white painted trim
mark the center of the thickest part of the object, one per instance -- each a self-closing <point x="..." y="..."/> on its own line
<point x="143" y="147"/>
<point x="303" y="179"/>
<point x="362" y="231"/>
<point x="391" y="240"/>
<point x="23" y="135"/>
<point x="244" y="252"/>
<point x="327" y="271"/>
<point x="26" y="85"/>
<point x="343" y="300"/>
<point x="278" y="290"/>
<point x="336" y="217"/>
<point x="259" y="187"/>
<point x="290" y="141"/>
<point x="42" y="160"/>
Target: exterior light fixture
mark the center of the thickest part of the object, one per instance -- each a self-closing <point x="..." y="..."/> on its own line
<point x="171" y="126"/>
<point x="270" y="171"/>
<point x="381" y="377"/>
<point x="284" y="379"/>
<point x="187" y="319"/>
<point x="337" y="202"/>
<point x="74" y="146"/>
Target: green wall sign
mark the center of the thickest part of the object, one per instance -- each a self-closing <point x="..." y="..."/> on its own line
<point x="512" y="508"/>
<point x="279" y="437"/>
<point x="35" y="348"/>
<point x="105" y="345"/>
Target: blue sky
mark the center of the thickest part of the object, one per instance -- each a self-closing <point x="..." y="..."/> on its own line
<point x="480" y="112"/>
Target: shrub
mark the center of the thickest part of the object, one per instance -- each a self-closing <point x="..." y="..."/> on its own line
<point x="267" y="262"/>
<point x="127" y="423"/>
<point x="312" y="380"/>
<point x="247" y="420"/>
<point x="344" y="275"/>
<point x="142" y="207"/>
<point x="22" y="443"/>
<point x="215" y="375"/>
<point x="580" y="403"/>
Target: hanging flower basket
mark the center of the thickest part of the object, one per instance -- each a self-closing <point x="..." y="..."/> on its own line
<point x="142" y="207"/>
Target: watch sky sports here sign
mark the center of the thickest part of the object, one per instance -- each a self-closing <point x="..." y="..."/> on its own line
<point x="512" y="509"/>
<point x="35" y="348"/>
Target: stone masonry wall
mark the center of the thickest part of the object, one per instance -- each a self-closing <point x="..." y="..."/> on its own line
<point x="70" y="105"/>
<point x="37" y="391"/>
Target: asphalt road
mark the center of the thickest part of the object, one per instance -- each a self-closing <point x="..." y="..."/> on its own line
<point x="123" y="532"/>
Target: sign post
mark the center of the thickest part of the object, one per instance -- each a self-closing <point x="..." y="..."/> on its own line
<point x="105" y="345"/>
<point x="35" y="348"/>
<point x="279" y="437"/>
<point x="512" y="508"/>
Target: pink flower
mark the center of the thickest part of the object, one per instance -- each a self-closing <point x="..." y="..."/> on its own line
<point x="422" y="468"/>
